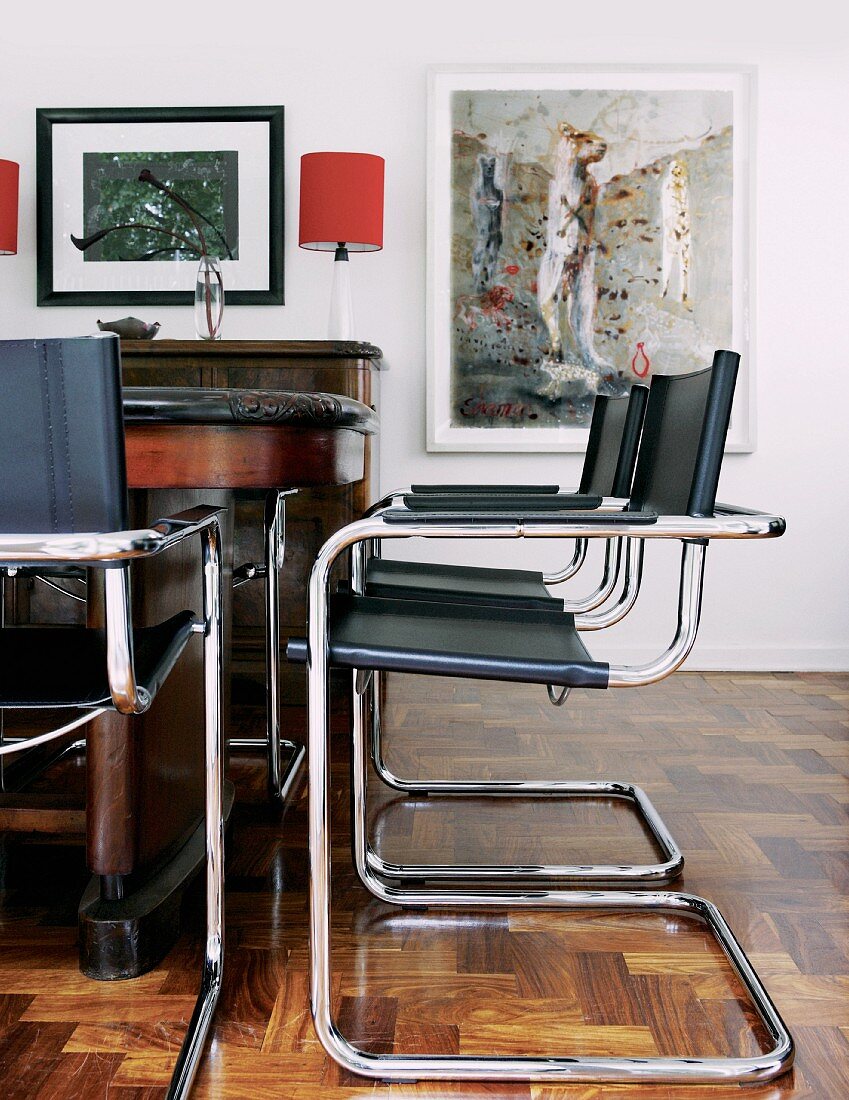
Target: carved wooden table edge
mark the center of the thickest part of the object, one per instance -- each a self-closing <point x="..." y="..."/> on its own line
<point x="288" y="349"/>
<point x="192" y="405"/>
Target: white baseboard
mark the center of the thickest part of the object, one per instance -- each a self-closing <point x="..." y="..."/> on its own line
<point x="745" y="659"/>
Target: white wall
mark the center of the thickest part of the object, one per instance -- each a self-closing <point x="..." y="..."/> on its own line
<point x="352" y="76"/>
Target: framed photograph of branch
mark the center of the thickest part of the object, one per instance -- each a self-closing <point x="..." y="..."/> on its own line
<point x="588" y="227"/>
<point x="112" y="168"/>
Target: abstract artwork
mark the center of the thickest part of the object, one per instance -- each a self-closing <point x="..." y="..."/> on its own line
<point x="225" y="162"/>
<point x="587" y="230"/>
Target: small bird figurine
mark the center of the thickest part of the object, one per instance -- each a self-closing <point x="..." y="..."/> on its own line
<point x="130" y="328"/>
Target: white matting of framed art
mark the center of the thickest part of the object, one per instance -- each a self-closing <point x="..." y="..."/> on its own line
<point x="587" y="227"/>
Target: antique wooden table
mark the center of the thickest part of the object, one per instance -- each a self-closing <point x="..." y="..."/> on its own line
<point x="190" y="442"/>
<point x="322" y="506"/>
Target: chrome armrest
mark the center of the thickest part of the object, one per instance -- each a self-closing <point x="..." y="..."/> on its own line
<point x="693" y="531"/>
<point x="736" y="510"/>
<point x="101" y="549"/>
<point x="730" y="522"/>
<point x="173" y="529"/>
<point x="127" y="696"/>
<point x="116" y="549"/>
<point x="395" y="499"/>
<point x="730" y="525"/>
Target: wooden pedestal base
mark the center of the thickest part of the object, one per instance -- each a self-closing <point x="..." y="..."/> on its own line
<point x="125" y="938"/>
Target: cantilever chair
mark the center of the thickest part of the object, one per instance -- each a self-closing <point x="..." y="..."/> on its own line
<point x="606" y="479"/>
<point x="674" y="497"/>
<point x="63" y="502"/>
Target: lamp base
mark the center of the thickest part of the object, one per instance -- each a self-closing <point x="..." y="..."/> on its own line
<point x="340" y="325"/>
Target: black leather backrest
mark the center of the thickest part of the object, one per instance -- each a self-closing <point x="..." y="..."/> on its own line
<point x="62" y="467"/>
<point x="683" y="439"/>
<point x="612" y="445"/>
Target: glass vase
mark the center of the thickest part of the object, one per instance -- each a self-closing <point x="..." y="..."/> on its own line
<point x="209" y="299"/>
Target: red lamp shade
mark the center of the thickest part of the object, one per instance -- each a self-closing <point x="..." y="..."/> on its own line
<point x="8" y="208"/>
<point x="341" y="201"/>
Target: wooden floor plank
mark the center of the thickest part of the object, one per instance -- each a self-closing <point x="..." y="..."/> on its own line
<point x="750" y="772"/>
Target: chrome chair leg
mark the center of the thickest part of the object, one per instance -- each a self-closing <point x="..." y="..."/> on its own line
<point x="2" y="717"/>
<point x="403" y="1067"/>
<point x="668" y="868"/>
<point x="192" y="1048"/>
<point x="279" y="781"/>
<point x="280" y="778"/>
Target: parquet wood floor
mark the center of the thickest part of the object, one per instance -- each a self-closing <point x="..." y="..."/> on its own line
<point x="750" y="773"/>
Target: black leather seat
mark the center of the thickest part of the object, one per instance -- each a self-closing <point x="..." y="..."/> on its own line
<point x="424" y="581"/>
<point x="488" y="643"/>
<point x="677" y="473"/>
<point x="76" y="659"/>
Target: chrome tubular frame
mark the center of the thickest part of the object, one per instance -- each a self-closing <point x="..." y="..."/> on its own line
<point x="569" y="1068"/>
<point x="280" y="780"/>
<point x="618" y="874"/>
<point x="188" y="1059"/>
<point x="609" y="579"/>
<point x="20" y="744"/>
<point x="568" y="571"/>
<point x="400" y="1067"/>
<point x="118" y="547"/>
<point x="110" y="546"/>
<point x="604" y="617"/>
<point x="62" y="591"/>
<point x="2" y="716"/>
<point x="127" y="696"/>
<point x="689" y="613"/>
<point x="666" y="869"/>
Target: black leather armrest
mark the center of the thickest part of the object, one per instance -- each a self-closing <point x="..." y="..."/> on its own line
<point x="401" y="516"/>
<point x="479" y="490"/>
<point x="502" y="502"/>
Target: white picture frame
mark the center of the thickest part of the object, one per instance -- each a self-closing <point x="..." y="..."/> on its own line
<point x="730" y="93"/>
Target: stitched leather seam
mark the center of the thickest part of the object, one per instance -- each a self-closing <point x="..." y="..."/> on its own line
<point x="53" y="508"/>
<point x="66" y="437"/>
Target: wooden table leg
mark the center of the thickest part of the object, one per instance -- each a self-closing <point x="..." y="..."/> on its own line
<point x="145" y="774"/>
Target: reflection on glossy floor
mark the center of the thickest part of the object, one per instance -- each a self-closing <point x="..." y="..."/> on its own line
<point x="749" y="773"/>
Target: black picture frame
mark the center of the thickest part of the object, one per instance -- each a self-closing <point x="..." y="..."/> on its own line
<point x="47" y="118"/>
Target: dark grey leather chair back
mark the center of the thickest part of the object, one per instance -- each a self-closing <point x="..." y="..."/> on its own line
<point x="612" y="446"/>
<point x="684" y="438"/>
<point x="62" y="466"/>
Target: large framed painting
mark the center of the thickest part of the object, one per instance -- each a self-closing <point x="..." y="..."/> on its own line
<point x="587" y="228"/>
<point x="224" y="163"/>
